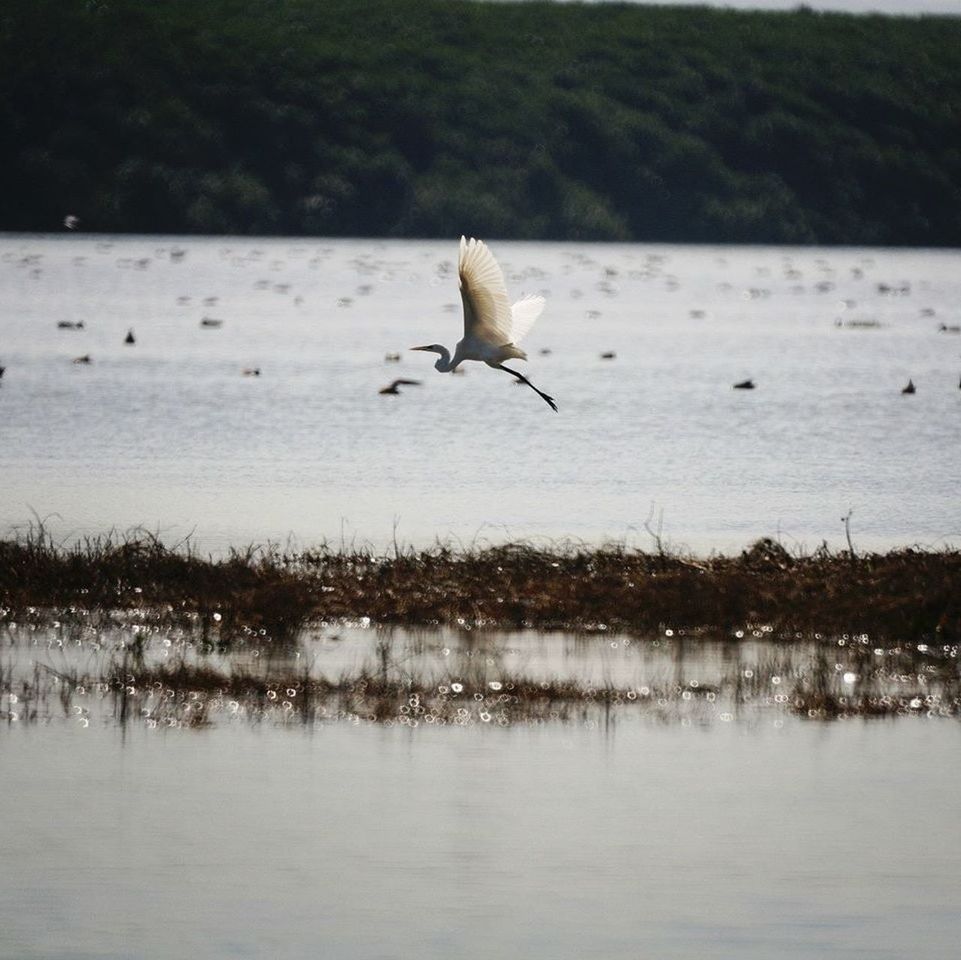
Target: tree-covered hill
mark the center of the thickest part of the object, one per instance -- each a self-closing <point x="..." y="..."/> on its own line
<point x="438" y="117"/>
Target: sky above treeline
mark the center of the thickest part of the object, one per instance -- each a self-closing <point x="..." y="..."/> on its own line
<point x="902" y="7"/>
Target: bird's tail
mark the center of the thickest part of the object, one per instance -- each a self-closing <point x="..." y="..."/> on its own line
<point x="513" y="352"/>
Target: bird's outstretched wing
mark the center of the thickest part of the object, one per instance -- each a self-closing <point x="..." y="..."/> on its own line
<point x="487" y="310"/>
<point x="524" y="315"/>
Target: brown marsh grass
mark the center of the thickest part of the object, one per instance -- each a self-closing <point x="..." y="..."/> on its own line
<point x="905" y="594"/>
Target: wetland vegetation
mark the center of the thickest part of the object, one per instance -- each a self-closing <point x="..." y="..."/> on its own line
<point x="905" y="594"/>
<point x="139" y="630"/>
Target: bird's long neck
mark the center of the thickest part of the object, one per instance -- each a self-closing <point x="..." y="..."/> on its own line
<point x="443" y="364"/>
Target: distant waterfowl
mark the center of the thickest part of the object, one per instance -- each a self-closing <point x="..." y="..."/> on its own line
<point x="130" y="338"/>
<point x="211" y="322"/>
<point x="608" y="355"/>
<point x="251" y="371"/>
<point x="1" y="371"/>
<point x="544" y="352"/>
<point x="70" y="325"/>
<point x="949" y="328"/>
<point x="744" y="385"/>
<point x="492" y="327"/>
<point x="86" y="358"/>
<point x="391" y="357"/>
<point x="393" y="390"/>
<point x="210" y="301"/>
<point x="909" y="388"/>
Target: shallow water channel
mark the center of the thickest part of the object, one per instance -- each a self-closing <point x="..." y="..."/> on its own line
<point x="707" y="816"/>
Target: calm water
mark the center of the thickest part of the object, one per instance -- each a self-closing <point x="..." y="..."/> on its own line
<point x="672" y="830"/>
<point x="700" y="818"/>
<point x="169" y="434"/>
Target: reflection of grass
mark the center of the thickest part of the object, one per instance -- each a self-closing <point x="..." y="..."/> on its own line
<point x="185" y="694"/>
<point x="902" y="595"/>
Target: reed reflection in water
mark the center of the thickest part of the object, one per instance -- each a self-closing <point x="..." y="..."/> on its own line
<point x="361" y="674"/>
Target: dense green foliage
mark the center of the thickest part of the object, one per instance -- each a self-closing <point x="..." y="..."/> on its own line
<point x="438" y="117"/>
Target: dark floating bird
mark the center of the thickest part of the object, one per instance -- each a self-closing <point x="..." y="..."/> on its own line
<point x="909" y="388"/>
<point x="130" y="338"/>
<point x="391" y="358"/>
<point x="211" y="322"/>
<point x="949" y="328"/>
<point x="70" y="325"/>
<point x="608" y="355"/>
<point x="1" y="371"/>
<point x="86" y="358"/>
<point x="251" y="371"/>
<point x="393" y="388"/>
<point x="744" y="385"/>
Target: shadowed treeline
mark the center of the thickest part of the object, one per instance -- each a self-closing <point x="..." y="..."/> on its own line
<point x="905" y="594"/>
<point x="431" y="118"/>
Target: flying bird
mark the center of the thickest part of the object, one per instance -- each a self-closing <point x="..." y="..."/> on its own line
<point x="392" y="388"/>
<point x="492" y="327"/>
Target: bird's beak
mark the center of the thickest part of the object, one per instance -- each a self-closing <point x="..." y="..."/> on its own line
<point x="420" y="348"/>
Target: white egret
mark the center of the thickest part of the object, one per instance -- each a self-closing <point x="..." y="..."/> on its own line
<point x="492" y="327"/>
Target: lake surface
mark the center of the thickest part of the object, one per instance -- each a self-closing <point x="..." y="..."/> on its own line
<point x="697" y="809"/>
<point x="170" y="435"/>
<point x="675" y="827"/>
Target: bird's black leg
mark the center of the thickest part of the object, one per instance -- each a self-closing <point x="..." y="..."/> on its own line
<point x="523" y="379"/>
